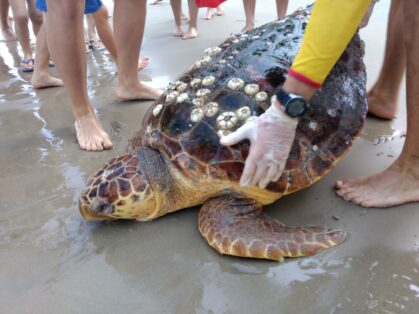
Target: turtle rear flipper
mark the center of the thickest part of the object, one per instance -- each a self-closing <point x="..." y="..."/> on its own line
<point x="236" y="225"/>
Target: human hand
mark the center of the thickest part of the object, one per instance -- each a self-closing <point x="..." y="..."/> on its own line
<point x="271" y="136"/>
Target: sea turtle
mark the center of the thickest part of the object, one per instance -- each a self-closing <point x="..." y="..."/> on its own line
<point x="176" y="161"/>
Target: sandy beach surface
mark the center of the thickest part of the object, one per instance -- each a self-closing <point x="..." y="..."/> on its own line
<point x="53" y="261"/>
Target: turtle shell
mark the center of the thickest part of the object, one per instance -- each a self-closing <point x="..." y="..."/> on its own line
<point x="233" y="83"/>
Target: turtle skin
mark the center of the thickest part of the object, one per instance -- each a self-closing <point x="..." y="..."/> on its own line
<point x="176" y="160"/>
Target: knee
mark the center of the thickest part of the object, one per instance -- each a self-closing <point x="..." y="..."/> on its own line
<point x="21" y="19"/>
<point x="36" y="17"/>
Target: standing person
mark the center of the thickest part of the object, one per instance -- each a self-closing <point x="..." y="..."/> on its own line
<point x="66" y="17"/>
<point x="383" y="96"/>
<point x="250" y="8"/>
<point x="329" y="30"/>
<point x="7" y="33"/>
<point x="22" y="11"/>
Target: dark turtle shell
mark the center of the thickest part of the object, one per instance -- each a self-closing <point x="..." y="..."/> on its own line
<point x="215" y="97"/>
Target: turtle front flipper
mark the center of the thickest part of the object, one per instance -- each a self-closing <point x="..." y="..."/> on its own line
<point x="236" y="225"/>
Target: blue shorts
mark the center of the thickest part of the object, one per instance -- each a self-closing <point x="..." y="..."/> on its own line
<point x="91" y="6"/>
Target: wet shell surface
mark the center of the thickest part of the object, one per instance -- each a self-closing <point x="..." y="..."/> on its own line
<point x="211" y="109"/>
<point x="251" y="89"/>
<point x="261" y="96"/>
<point x="203" y="92"/>
<point x="227" y="120"/>
<point x="157" y="110"/>
<point x="235" y="83"/>
<point x="208" y="80"/>
<point x="197" y="115"/>
<point x="243" y="113"/>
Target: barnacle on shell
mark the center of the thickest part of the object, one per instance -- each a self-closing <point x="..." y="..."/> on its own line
<point x="171" y="96"/>
<point x="222" y="133"/>
<point x="199" y="102"/>
<point x="195" y="82"/>
<point x="208" y="80"/>
<point x="243" y="113"/>
<point x="212" y="51"/>
<point x="227" y="120"/>
<point x="203" y="92"/>
<point x="261" y="96"/>
<point x="182" y="87"/>
<point x="235" y="83"/>
<point x="197" y="114"/>
<point x="251" y="89"/>
<point x="182" y="97"/>
<point x="211" y="109"/>
<point x="157" y="109"/>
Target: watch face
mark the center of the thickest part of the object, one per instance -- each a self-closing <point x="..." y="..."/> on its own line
<point x="296" y="107"/>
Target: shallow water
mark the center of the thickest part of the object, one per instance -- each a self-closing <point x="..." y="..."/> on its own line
<point x="53" y="261"/>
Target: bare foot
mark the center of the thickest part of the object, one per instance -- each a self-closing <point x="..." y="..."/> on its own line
<point x="178" y="32"/>
<point x="91" y="135"/>
<point x="393" y="186"/>
<point x="220" y="12"/>
<point x="137" y="92"/>
<point x="191" y="33"/>
<point x="8" y="35"/>
<point x="44" y="81"/>
<point x="155" y="2"/>
<point x="381" y="106"/>
<point x="208" y="15"/>
<point x="143" y="62"/>
<point x="248" y="27"/>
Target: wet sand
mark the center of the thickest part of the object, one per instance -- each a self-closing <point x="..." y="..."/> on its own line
<point x="53" y="261"/>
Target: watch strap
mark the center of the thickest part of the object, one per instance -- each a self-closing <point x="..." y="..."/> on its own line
<point x="283" y="97"/>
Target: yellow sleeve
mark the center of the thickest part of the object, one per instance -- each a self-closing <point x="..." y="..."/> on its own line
<point x="331" y="27"/>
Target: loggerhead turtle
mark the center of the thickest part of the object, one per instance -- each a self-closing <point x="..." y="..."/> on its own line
<point x="176" y="160"/>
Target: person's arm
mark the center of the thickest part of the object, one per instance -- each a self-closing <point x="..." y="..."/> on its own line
<point x="331" y="27"/>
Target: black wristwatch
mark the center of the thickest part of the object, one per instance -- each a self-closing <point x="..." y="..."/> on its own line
<point x="295" y="106"/>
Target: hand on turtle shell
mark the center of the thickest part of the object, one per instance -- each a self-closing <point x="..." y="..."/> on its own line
<point x="271" y="136"/>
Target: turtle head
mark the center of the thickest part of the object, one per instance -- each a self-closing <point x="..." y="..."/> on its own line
<point x="119" y="190"/>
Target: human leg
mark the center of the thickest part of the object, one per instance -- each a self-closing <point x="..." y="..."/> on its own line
<point x="219" y="11"/>
<point x="40" y="76"/>
<point x="281" y="8"/>
<point x="209" y="14"/>
<point x="249" y="10"/>
<point x="20" y="15"/>
<point x="398" y="184"/>
<point x="177" y="14"/>
<point x="129" y="22"/>
<point x="35" y="16"/>
<point x="383" y="96"/>
<point x="66" y="17"/>
<point x="101" y="19"/>
<point x="6" y="31"/>
<point x="193" y="21"/>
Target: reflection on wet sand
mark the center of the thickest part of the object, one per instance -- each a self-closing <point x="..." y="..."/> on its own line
<point x="53" y="261"/>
